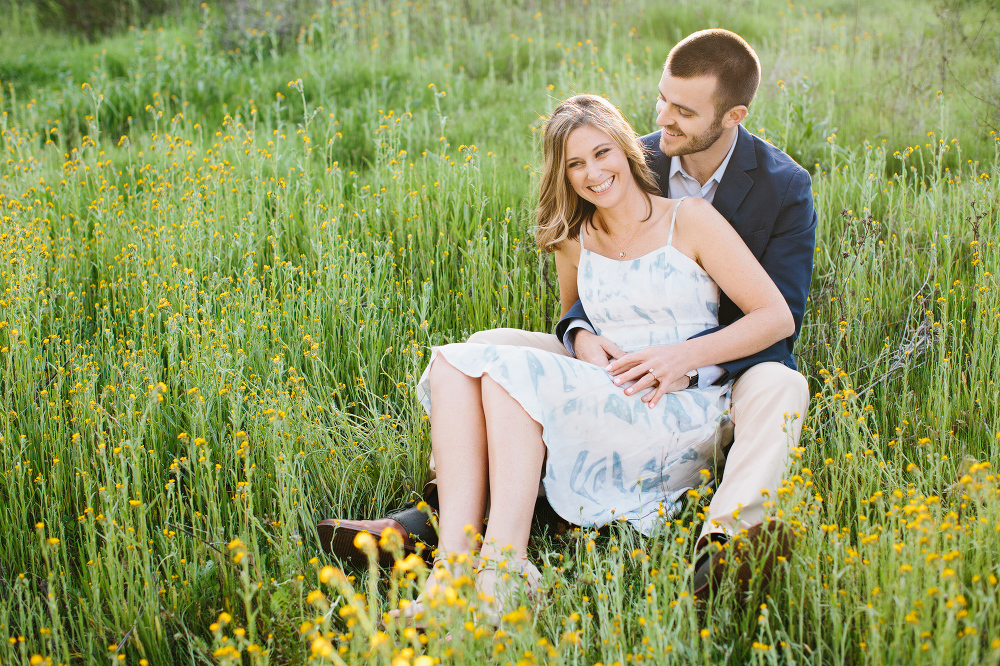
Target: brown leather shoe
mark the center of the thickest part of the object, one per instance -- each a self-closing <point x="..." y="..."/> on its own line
<point x="757" y="555"/>
<point x="416" y="533"/>
<point x="710" y="567"/>
<point x="752" y="555"/>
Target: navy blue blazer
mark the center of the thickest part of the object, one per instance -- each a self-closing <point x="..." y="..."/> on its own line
<point x="767" y="198"/>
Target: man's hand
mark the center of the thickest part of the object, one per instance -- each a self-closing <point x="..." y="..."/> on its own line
<point x="594" y="348"/>
<point x="662" y="369"/>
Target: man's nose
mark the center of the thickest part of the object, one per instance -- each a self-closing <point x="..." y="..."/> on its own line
<point x="663" y="118"/>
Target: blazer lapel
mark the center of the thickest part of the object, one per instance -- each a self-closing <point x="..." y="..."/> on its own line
<point x="736" y="182"/>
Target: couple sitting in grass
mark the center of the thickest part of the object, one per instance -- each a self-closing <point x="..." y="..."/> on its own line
<point x="684" y="261"/>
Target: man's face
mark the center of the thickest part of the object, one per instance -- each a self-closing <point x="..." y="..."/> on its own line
<point x="685" y="111"/>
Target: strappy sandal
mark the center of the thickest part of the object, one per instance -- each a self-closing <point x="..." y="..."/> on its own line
<point x="444" y="571"/>
<point x="506" y="575"/>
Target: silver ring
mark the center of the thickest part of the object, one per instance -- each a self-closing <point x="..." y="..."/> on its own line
<point x="651" y="372"/>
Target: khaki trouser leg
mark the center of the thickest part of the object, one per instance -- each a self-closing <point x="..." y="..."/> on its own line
<point x="515" y="337"/>
<point x="769" y="405"/>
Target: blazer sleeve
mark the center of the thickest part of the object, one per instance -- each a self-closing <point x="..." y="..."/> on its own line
<point x="575" y="312"/>
<point x="788" y="260"/>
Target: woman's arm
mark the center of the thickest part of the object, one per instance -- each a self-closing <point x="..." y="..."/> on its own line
<point x="567" y="259"/>
<point x="706" y="235"/>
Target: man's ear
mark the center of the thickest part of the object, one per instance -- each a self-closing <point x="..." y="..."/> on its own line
<point x="734" y="116"/>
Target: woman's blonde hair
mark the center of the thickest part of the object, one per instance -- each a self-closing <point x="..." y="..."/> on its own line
<point x="561" y="211"/>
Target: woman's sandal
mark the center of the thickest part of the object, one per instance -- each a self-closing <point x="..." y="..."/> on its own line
<point x="414" y="613"/>
<point x="503" y="589"/>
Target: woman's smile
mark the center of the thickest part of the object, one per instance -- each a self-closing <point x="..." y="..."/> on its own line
<point x="603" y="187"/>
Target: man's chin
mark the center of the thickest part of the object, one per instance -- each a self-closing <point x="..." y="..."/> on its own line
<point x="672" y="151"/>
<point x="675" y="147"/>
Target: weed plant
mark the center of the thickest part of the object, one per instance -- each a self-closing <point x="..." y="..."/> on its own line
<point x="224" y="265"/>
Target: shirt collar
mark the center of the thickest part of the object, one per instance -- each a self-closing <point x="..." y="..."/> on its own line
<point x="675" y="165"/>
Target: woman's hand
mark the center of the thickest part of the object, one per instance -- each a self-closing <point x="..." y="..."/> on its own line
<point x="663" y="369"/>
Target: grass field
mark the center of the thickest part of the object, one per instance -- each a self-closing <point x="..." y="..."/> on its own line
<point x="230" y="238"/>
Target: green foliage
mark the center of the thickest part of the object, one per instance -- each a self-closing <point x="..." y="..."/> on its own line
<point x="227" y="251"/>
<point x="89" y="18"/>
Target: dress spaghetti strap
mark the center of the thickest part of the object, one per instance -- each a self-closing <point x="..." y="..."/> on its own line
<point x="673" y="220"/>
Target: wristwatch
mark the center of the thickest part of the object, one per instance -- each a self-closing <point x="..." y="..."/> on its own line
<point x="693" y="380"/>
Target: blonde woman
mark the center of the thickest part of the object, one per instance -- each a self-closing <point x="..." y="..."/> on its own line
<point x="623" y="441"/>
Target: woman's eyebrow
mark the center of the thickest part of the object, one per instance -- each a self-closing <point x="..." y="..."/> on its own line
<point x="594" y="149"/>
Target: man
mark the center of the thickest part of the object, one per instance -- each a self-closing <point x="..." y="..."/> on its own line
<point x="702" y="150"/>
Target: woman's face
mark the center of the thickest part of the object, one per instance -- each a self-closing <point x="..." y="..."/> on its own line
<point x="596" y="167"/>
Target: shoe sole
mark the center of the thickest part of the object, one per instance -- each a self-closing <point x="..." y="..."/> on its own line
<point x="339" y="541"/>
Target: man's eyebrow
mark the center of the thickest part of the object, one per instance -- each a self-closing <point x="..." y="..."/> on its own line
<point x="679" y="106"/>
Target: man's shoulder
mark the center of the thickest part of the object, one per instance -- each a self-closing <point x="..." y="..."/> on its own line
<point x="651" y="140"/>
<point x="773" y="160"/>
<point x="658" y="163"/>
<point x="651" y="147"/>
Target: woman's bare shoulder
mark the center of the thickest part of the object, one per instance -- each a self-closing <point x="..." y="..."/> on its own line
<point x="660" y="204"/>
<point x="695" y="211"/>
<point x="568" y="248"/>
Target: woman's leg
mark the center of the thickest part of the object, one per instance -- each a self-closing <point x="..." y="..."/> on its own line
<point x="466" y="413"/>
<point x="458" y="437"/>
<point x="516" y="454"/>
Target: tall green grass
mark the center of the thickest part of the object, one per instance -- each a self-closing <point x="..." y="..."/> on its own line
<point x="224" y="263"/>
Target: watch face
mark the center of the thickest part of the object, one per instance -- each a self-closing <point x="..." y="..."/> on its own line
<point x="693" y="380"/>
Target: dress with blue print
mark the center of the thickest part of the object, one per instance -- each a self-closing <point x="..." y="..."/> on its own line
<point x="610" y="456"/>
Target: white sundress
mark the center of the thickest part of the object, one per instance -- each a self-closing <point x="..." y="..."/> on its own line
<point x="609" y="455"/>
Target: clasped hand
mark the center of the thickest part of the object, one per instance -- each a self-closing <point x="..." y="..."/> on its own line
<point x="661" y="368"/>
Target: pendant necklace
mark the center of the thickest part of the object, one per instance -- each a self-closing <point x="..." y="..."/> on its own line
<point x="622" y="249"/>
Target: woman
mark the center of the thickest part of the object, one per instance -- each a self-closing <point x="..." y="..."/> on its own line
<point x="621" y="442"/>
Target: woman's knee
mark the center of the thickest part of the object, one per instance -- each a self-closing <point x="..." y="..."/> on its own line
<point x="495" y="396"/>
<point x="499" y="403"/>
<point x="444" y="377"/>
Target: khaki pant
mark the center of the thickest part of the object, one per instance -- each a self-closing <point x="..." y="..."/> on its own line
<point x="769" y="405"/>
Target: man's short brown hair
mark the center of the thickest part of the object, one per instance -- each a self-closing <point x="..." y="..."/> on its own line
<point x="724" y="55"/>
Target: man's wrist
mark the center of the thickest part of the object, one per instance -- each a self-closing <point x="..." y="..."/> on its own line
<point x="709" y="375"/>
<point x="692" y="379"/>
<point x="570" y="335"/>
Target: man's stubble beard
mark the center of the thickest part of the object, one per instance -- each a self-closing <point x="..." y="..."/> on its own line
<point x="698" y="143"/>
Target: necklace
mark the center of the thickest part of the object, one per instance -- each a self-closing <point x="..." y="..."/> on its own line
<point x="622" y="250"/>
